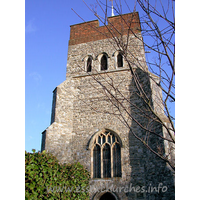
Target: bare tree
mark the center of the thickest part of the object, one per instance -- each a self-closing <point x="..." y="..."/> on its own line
<point x="157" y="28"/>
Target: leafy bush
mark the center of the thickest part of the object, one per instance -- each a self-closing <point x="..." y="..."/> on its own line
<point x="45" y="178"/>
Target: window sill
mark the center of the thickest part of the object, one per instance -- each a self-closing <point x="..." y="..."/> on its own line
<point x="106" y="179"/>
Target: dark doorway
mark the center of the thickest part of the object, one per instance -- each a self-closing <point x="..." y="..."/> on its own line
<point x="107" y="196"/>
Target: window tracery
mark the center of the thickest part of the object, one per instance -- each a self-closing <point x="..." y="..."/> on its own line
<point x="106" y="153"/>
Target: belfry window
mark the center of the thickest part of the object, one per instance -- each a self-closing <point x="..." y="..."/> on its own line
<point x="106" y="153"/>
<point x="119" y="60"/>
<point x="104" y="63"/>
<point x="89" y="64"/>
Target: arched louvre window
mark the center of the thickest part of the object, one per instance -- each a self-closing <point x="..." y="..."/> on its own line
<point x="89" y="64"/>
<point x="106" y="155"/>
<point x="97" y="161"/>
<point x="104" y="63"/>
<point x="116" y="160"/>
<point x="119" y="60"/>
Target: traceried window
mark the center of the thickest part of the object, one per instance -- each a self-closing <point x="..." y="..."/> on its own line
<point x="106" y="156"/>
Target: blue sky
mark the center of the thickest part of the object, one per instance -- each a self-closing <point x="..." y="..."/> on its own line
<point x="47" y="29"/>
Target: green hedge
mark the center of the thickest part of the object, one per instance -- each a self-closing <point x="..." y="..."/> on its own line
<point x="45" y="178"/>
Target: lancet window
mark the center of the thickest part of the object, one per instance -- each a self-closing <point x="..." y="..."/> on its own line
<point x="119" y="60"/>
<point x="89" y="64"/>
<point x="104" y="62"/>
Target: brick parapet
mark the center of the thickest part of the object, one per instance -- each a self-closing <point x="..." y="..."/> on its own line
<point x="117" y="26"/>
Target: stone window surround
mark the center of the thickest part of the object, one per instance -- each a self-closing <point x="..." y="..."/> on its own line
<point x="91" y="146"/>
<point x="99" y="59"/>
<point x="85" y="59"/>
<point x="115" y="54"/>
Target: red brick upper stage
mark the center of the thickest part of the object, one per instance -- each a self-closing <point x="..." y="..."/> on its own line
<point x="117" y="25"/>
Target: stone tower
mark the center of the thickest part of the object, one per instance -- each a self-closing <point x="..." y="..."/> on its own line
<point x="85" y="126"/>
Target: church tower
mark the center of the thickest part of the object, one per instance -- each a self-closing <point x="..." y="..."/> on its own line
<point x="86" y="121"/>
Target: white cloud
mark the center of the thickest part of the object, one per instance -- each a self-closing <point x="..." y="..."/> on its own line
<point x="40" y="105"/>
<point x="30" y="27"/>
<point x="36" y="77"/>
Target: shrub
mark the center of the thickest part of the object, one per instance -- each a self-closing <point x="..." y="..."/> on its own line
<point x="45" y="178"/>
